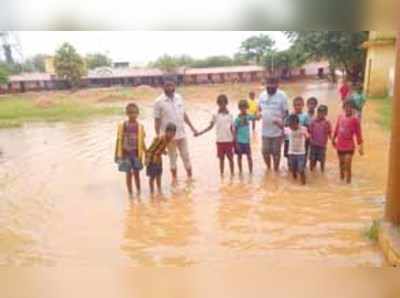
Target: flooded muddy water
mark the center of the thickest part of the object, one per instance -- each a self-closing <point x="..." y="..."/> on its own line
<point x="63" y="202"/>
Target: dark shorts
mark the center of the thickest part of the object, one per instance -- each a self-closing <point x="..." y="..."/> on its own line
<point x="129" y="164"/>
<point x="345" y="152"/>
<point x="153" y="170"/>
<point x="297" y="162"/>
<point x="241" y="148"/>
<point x="225" y="149"/>
<point x="272" y="146"/>
<point x="317" y="153"/>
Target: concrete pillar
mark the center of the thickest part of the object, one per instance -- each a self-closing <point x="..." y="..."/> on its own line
<point x="392" y="210"/>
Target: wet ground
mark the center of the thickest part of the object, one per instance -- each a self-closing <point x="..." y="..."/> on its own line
<point x="63" y="202"/>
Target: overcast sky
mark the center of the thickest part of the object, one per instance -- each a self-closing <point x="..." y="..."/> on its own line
<point x="140" y="47"/>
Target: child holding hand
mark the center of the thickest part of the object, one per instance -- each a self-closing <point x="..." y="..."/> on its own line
<point x="154" y="156"/>
<point x="223" y="122"/>
<point x="242" y="135"/>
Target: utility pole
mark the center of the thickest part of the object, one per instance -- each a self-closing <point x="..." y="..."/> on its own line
<point x="392" y="209"/>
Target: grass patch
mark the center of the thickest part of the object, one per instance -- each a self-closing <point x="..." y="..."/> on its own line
<point x="372" y="233"/>
<point x="15" y="112"/>
<point x="385" y="111"/>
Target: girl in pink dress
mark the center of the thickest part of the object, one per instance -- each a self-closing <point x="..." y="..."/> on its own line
<point x="347" y="131"/>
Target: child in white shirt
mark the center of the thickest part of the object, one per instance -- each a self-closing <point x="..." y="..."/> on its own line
<point x="223" y="121"/>
<point x="297" y="136"/>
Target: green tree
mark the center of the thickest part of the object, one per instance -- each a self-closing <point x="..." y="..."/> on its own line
<point x="3" y="74"/>
<point x="97" y="60"/>
<point x="39" y="62"/>
<point x="166" y="63"/>
<point x="240" y="59"/>
<point x="214" y="61"/>
<point x="255" y="47"/>
<point x="36" y="63"/>
<point x="341" y="48"/>
<point x="69" y="65"/>
<point x="184" y="60"/>
<point x="284" y="61"/>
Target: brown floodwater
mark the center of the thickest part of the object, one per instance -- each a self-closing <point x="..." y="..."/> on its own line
<point x="63" y="202"/>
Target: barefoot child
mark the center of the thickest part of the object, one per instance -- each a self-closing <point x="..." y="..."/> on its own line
<point x="223" y="121"/>
<point x="347" y="129"/>
<point x="130" y="147"/>
<point x="297" y="136"/>
<point x="154" y="156"/>
<point x="253" y="107"/>
<point x="320" y="131"/>
<point x="242" y="135"/>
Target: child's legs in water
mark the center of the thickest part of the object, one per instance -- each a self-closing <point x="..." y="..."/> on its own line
<point x="239" y="159"/>
<point x="301" y="167"/>
<point x="250" y="162"/>
<point x="341" y="165"/>
<point x="231" y="164"/>
<point x="313" y="164"/>
<point x="292" y="161"/>
<point x="151" y="184"/>
<point x="322" y="164"/>
<point x="221" y="165"/>
<point x="136" y="175"/>
<point x="158" y="180"/>
<point x="348" y="159"/>
<point x="129" y="182"/>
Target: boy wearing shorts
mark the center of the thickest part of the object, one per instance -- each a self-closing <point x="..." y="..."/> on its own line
<point x="223" y="122"/>
<point x="320" y="132"/>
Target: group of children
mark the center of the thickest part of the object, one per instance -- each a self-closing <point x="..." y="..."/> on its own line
<point x="306" y="135"/>
<point x="306" y="139"/>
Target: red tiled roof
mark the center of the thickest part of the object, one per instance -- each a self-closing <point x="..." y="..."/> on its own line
<point x="228" y="69"/>
<point x="27" y="77"/>
<point x="106" y="72"/>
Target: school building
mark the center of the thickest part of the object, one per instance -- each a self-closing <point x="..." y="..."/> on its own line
<point x="380" y="64"/>
<point x="126" y="76"/>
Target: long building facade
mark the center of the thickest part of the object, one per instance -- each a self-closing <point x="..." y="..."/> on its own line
<point x="107" y="77"/>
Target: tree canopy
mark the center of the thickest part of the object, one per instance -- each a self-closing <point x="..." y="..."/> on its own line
<point x="284" y="60"/>
<point x="341" y="48"/>
<point x="215" y="61"/>
<point x="166" y="63"/>
<point x="171" y="63"/>
<point x="3" y="74"/>
<point x="97" y="60"/>
<point x="69" y="65"/>
<point x="36" y="63"/>
<point x="255" y="47"/>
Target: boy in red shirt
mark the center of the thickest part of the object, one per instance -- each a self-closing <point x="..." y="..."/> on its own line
<point x="347" y="129"/>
